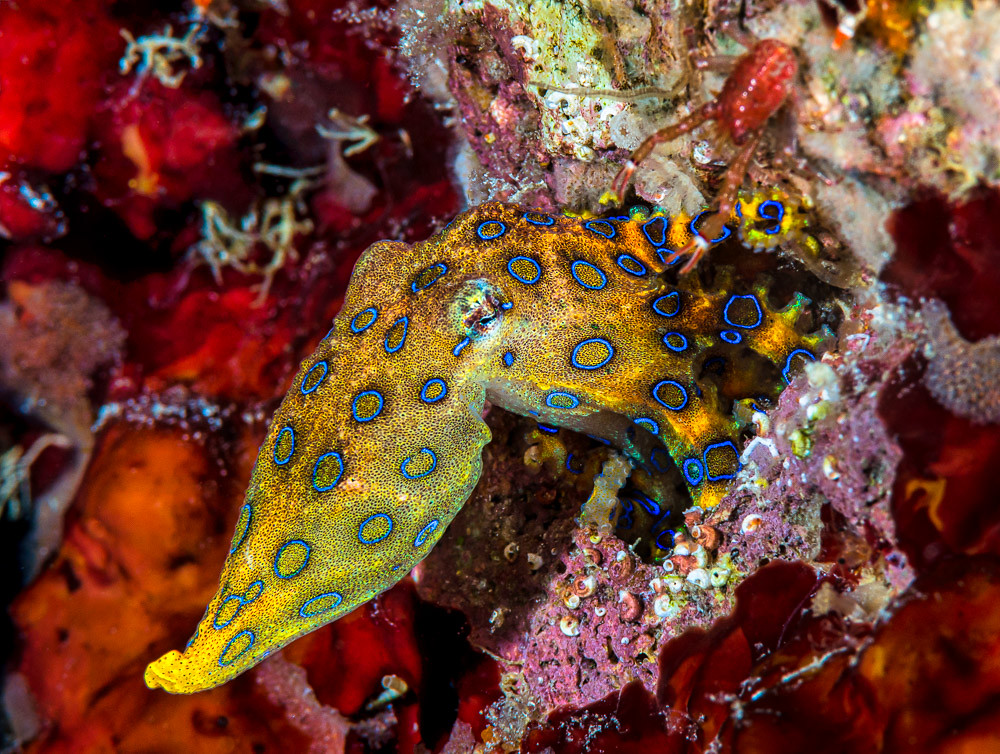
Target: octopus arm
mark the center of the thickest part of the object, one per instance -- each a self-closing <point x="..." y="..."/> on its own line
<point x="331" y="519"/>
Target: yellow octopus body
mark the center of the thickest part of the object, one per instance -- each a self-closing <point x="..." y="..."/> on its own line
<point x="378" y="443"/>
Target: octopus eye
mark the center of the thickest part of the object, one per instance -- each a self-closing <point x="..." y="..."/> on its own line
<point x="479" y="306"/>
<point x="480" y="321"/>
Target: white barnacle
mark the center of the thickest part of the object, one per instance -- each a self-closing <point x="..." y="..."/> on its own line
<point x="700" y="578"/>
<point x="556" y="100"/>
<point x="529" y="47"/>
<point x="751" y="523"/>
<point x="674" y="584"/>
<point x="665" y="608"/>
<point x="719" y="576"/>
<point x="569" y="625"/>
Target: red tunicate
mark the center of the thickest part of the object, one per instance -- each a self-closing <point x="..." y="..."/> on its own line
<point x="161" y="147"/>
<point x="949" y="251"/>
<point x="944" y="496"/>
<point x="924" y="679"/>
<point x="54" y="59"/>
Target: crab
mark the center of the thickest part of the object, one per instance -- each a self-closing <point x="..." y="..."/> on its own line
<point x="760" y="86"/>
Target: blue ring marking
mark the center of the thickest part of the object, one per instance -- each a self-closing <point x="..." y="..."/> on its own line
<point x="631" y="265"/>
<point x="731" y="336"/>
<point x="368" y="520"/>
<point x="625" y="520"/>
<point x="756" y="303"/>
<point x="647" y="424"/>
<point x="277" y="442"/>
<point x="544" y="222"/>
<point x="340" y="473"/>
<point x="215" y="621"/>
<point x="507" y="305"/>
<point x="663" y="253"/>
<point x="653" y="459"/>
<point x="239" y="654"/>
<point x="651" y="506"/>
<point x="424" y="533"/>
<point x="243" y="599"/>
<point x="508" y="359"/>
<point x="462" y="344"/>
<point x="679" y="386"/>
<point x="598" y="270"/>
<point x="600" y="440"/>
<point x="354" y="322"/>
<point x="559" y="394"/>
<point x="442" y="271"/>
<point x="484" y="236"/>
<point x="724" y="444"/>
<point x="402" y="341"/>
<point x="675" y="341"/>
<point x="546" y="428"/>
<point x="660" y="231"/>
<point x="694" y="472"/>
<point x="305" y="612"/>
<point x="602" y="228"/>
<point x="715" y="365"/>
<point x="526" y="281"/>
<point x="298" y="570"/>
<point x="246" y="526"/>
<point x="569" y="468"/>
<point x="358" y="397"/>
<point x="788" y="362"/>
<point x="662" y="545"/>
<point x="777" y="218"/>
<point x="309" y="374"/>
<point x="582" y="343"/>
<point x="738" y="207"/>
<point x="661" y="305"/>
<point x="258" y="585"/>
<point x="434" y="463"/>
<point x="434" y="381"/>
<point x="726" y="232"/>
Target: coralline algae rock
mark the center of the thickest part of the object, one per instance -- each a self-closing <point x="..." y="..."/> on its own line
<point x="824" y="445"/>
<point x="519" y="74"/>
<point x="963" y="377"/>
<point x="576" y="613"/>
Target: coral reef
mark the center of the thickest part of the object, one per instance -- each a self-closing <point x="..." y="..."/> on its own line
<point x="184" y="192"/>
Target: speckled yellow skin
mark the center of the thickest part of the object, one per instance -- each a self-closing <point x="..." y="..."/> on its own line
<point x="377" y="445"/>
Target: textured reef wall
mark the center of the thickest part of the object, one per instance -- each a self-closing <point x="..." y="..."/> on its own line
<point x="183" y="196"/>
